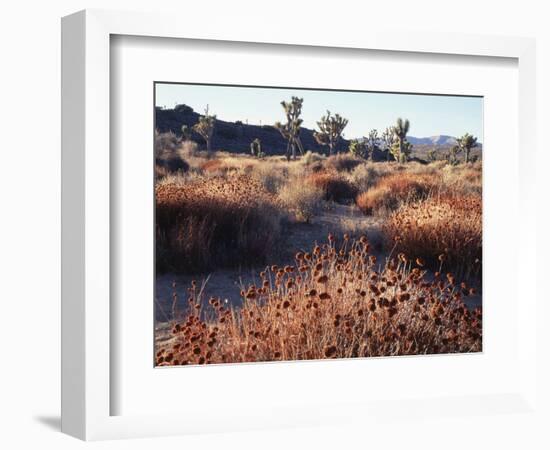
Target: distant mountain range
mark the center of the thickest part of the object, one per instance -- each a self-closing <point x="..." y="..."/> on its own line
<point x="236" y="136"/>
<point x="441" y="140"/>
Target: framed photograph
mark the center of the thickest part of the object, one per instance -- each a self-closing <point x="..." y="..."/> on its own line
<point x="360" y="247"/>
<point x="261" y="233"/>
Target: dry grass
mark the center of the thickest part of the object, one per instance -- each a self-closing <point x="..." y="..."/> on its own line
<point x="343" y="162"/>
<point x="214" y="166"/>
<point x="445" y="231"/>
<point x="335" y="186"/>
<point x="303" y="200"/>
<point x="273" y="175"/>
<point x="366" y="175"/>
<point x="167" y="159"/>
<point x="166" y="143"/>
<point x="311" y="158"/>
<point x="463" y="178"/>
<point x="333" y="303"/>
<point x="214" y="222"/>
<point x="393" y="190"/>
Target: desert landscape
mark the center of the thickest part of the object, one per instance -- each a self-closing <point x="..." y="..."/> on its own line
<point x="278" y="242"/>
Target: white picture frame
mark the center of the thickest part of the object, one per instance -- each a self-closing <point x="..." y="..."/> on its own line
<point x="86" y="221"/>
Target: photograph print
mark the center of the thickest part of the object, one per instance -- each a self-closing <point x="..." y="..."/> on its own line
<point x="307" y="224"/>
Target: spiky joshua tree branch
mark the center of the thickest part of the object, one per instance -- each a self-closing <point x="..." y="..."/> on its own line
<point x="205" y="127"/>
<point x="466" y="143"/>
<point x="358" y="148"/>
<point x="291" y="129"/>
<point x="256" y="148"/>
<point x="373" y="143"/>
<point x="330" y="130"/>
<point x="387" y="141"/>
<point x="401" y="149"/>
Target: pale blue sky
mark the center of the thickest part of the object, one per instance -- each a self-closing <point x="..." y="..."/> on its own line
<point x="429" y="115"/>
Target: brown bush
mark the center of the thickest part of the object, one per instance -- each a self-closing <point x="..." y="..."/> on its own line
<point x="213" y="165"/>
<point x="334" y="186"/>
<point x="166" y="143"/>
<point x="445" y="231"/>
<point x="215" y="222"/>
<point x="395" y="189"/>
<point x="333" y="303"/>
<point x="343" y="162"/>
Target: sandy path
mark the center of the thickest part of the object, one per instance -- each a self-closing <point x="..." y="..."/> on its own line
<point x="299" y="237"/>
<point x="226" y="284"/>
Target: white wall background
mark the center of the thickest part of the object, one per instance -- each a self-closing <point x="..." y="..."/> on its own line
<point x="30" y="194"/>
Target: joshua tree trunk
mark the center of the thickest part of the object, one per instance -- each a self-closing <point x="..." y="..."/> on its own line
<point x="400" y="149"/>
<point x="467" y="155"/>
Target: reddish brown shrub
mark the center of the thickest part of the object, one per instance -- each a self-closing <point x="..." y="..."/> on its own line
<point x="334" y="186"/>
<point x="216" y="222"/>
<point x="343" y="162"/>
<point x="213" y="165"/>
<point x="445" y="231"/>
<point x="393" y="190"/>
<point x="333" y="303"/>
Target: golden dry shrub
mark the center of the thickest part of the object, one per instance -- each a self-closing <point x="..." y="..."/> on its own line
<point x="301" y="199"/>
<point x="335" y="186"/>
<point x="463" y="178"/>
<point x="366" y="175"/>
<point x="273" y="175"/>
<point x="214" y="222"/>
<point x="446" y="231"/>
<point x="214" y="166"/>
<point x="331" y="303"/>
<point x="396" y="189"/>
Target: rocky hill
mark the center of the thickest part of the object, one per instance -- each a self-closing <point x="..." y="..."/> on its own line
<point x="235" y="136"/>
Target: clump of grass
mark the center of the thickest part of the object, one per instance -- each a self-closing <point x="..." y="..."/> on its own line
<point x="445" y="231"/>
<point x="303" y="200"/>
<point x="214" y="222"/>
<point x="167" y="158"/>
<point x="343" y="162"/>
<point x="214" y="166"/>
<point x="366" y="175"/>
<point x="334" y="186"/>
<point x="393" y="190"/>
<point x="334" y="302"/>
<point x="272" y="175"/>
<point x="311" y="158"/>
<point x="166" y="142"/>
<point x="463" y="178"/>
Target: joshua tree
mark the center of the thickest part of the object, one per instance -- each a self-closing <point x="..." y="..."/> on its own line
<point x="387" y="141"/>
<point x="431" y="155"/>
<point x="256" y="148"/>
<point x="373" y="143"/>
<point x="466" y="143"/>
<point x="291" y="129"/>
<point x="358" y="148"/>
<point x="401" y="154"/>
<point x="452" y="156"/>
<point x="330" y="130"/>
<point x="400" y="130"/>
<point x="186" y="132"/>
<point x="205" y="127"/>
